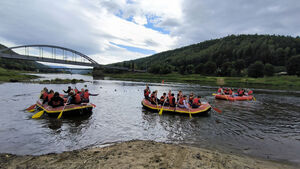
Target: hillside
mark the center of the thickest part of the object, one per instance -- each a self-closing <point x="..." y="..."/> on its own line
<point x="235" y="55"/>
<point x="16" y="64"/>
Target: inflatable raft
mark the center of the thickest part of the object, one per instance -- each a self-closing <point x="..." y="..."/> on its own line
<point x="71" y="110"/>
<point x="234" y="98"/>
<point x="203" y="109"/>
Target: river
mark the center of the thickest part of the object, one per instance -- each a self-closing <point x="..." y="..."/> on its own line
<point x="267" y="128"/>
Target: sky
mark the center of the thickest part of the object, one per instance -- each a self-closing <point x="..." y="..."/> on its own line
<point x="111" y="31"/>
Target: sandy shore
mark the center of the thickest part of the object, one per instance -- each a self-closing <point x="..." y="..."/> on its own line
<point x="138" y="154"/>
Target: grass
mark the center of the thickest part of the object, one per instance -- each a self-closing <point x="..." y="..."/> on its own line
<point x="61" y="81"/>
<point x="275" y="82"/>
<point x="14" y="76"/>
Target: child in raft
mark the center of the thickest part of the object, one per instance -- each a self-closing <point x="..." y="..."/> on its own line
<point x="182" y="103"/>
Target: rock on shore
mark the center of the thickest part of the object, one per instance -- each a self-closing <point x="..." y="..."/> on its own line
<point x="138" y="154"/>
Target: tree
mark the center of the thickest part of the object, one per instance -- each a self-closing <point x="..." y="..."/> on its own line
<point x="293" y="65"/>
<point x="210" y="68"/>
<point x="256" y="69"/>
<point x="190" y="69"/>
<point x="226" y="69"/>
<point x="269" y="69"/>
<point x="155" y="68"/>
<point x="239" y="65"/>
<point x="199" y="69"/>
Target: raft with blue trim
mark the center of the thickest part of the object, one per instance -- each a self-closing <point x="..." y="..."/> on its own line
<point x="203" y="109"/>
<point x="70" y="110"/>
<point x="234" y="98"/>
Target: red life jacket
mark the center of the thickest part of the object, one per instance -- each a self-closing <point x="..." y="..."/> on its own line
<point x="162" y="98"/>
<point x="225" y="91"/>
<point x="241" y="92"/>
<point x="196" y="101"/>
<point x="181" y="101"/>
<point x="86" y="95"/>
<point x="45" y="95"/>
<point x="56" y="103"/>
<point x="50" y="96"/>
<point x="250" y="92"/>
<point x="146" y="92"/>
<point x="77" y="98"/>
<point x="219" y="90"/>
<point x="230" y="91"/>
<point x="171" y="100"/>
<point x="76" y="90"/>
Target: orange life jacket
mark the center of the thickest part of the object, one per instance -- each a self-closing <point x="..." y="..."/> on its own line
<point x="86" y="95"/>
<point x="50" y="96"/>
<point x="77" y="98"/>
<point x="45" y="95"/>
<point x="196" y="101"/>
<point x="171" y="100"/>
<point x="181" y="101"/>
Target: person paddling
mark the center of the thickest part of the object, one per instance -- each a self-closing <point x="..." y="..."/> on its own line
<point x="171" y="100"/>
<point x="86" y="96"/>
<point x="147" y="92"/>
<point x="50" y="95"/>
<point x="196" y="102"/>
<point x="56" y="100"/>
<point x="163" y="98"/>
<point x="191" y="98"/>
<point x="69" y="90"/>
<point x="183" y="103"/>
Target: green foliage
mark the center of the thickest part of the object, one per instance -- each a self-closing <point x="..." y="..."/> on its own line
<point x="160" y="69"/>
<point x="293" y="65"/>
<point x="210" y="68"/>
<point x="241" y="51"/>
<point x="190" y="69"/>
<point x="256" y="69"/>
<point x="269" y="70"/>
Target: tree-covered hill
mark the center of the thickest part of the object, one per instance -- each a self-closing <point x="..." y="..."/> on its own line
<point x="235" y="55"/>
<point x="19" y="64"/>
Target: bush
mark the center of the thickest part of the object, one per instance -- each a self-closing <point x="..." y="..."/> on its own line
<point x="293" y="65"/>
<point x="269" y="69"/>
<point x="256" y="69"/>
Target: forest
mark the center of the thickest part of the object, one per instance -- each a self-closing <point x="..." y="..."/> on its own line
<point x="234" y="55"/>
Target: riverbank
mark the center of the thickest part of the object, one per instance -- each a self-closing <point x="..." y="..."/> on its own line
<point x="275" y="82"/>
<point x="14" y="76"/>
<point x="139" y="154"/>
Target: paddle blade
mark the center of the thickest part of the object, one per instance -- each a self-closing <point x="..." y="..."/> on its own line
<point x="160" y="112"/>
<point x="190" y="115"/>
<point x="217" y="110"/>
<point x="254" y="98"/>
<point x="60" y="114"/>
<point x="32" y="110"/>
<point x="214" y="94"/>
<point x="38" y="114"/>
<point x="31" y="107"/>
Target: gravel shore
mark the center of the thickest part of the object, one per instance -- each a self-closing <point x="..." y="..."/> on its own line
<point x="139" y="154"/>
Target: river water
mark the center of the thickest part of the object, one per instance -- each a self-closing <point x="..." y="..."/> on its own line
<point x="268" y="127"/>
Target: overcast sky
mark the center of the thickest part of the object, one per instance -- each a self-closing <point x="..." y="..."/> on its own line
<point x="116" y="30"/>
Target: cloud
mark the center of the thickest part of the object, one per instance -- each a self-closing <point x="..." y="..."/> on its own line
<point x="107" y="29"/>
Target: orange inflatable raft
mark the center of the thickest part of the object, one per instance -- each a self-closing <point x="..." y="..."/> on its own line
<point x="204" y="108"/>
<point x="234" y="98"/>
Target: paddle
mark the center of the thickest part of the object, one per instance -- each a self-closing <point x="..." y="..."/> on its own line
<point x="214" y="94"/>
<point x="60" y="114"/>
<point x="190" y="113"/>
<point x="161" y="110"/>
<point x="253" y="98"/>
<point x="38" y="114"/>
<point x="31" y="108"/>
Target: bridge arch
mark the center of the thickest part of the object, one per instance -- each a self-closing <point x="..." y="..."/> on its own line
<point x="93" y="62"/>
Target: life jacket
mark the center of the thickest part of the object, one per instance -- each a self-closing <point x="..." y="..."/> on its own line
<point x="196" y="101"/>
<point x="76" y="90"/>
<point x="162" y="98"/>
<point x="230" y="91"/>
<point x="146" y="92"/>
<point x="171" y="100"/>
<point x="219" y="90"/>
<point x="181" y="101"/>
<point x="241" y="92"/>
<point x="169" y="95"/>
<point x="77" y="98"/>
<point x="50" y="96"/>
<point x="45" y="95"/>
<point x="250" y="92"/>
<point x="191" y="98"/>
<point x="56" y="102"/>
<point x="86" y="95"/>
<point x="225" y="91"/>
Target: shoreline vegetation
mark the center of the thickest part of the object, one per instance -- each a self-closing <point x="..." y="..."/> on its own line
<point x="274" y="82"/>
<point x="140" y="154"/>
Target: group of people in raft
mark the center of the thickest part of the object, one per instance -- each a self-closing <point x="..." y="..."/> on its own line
<point x="74" y="96"/>
<point x="169" y="100"/>
<point x="230" y="91"/>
